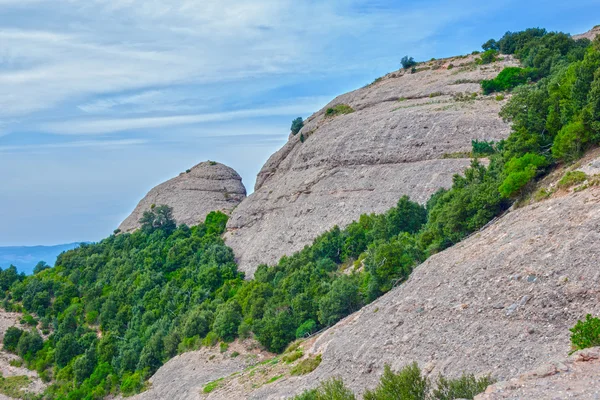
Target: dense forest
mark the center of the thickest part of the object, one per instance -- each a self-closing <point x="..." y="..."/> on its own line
<point x="113" y="312"/>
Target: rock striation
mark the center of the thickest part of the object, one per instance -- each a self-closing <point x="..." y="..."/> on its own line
<point x="408" y="135"/>
<point x="209" y="186"/>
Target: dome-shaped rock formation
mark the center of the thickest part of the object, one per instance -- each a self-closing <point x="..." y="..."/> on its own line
<point x="209" y="186"/>
<point x="409" y="134"/>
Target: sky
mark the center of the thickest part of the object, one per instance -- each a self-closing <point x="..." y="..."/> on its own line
<point x="100" y="100"/>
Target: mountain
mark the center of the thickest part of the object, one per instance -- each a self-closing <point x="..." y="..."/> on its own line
<point x="25" y="258"/>
<point x="208" y="186"/>
<point x="405" y="134"/>
<point x="500" y="303"/>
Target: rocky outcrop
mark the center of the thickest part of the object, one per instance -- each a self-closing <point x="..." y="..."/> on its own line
<point x="209" y="186"/>
<point x="405" y="137"/>
<point x="591" y="34"/>
<point x="577" y="377"/>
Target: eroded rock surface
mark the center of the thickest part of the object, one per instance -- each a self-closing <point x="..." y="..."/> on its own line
<point x="499" y="303"/>
<point x="576" y="377"/>
<point x="209" y="186"/>
<point x="396" y="142"/>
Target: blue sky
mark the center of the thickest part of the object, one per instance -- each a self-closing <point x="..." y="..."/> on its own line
<point x="100" y="100"/>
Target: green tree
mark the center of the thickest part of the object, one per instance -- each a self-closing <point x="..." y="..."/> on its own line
<point x="11" y="339"/>
<point x="158" y="218"/>
<point x="408" y="62"/>
<point x="227" y="320"/>
<point x="297" y="124"/>
<point x="408" y="384"/>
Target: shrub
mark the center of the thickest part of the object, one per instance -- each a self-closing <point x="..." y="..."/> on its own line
<point x="293" y="356"/>
<point x="210" y="340"/>
<point x="500" y="97"/>
<point x="570" y="142"/>
<point x="572" y="178"/>
<point x="490" y="45"/>
<point x="483" y="147"/>
<point x="408" y="62"/>
<point x="11" y="339"/>
<point x="227" y="320"/>
<point x="488" y="57"/>
<point x="407" y="384"/>
<point x="297" y="124"/>
<point x="306" y="329"/>
<point x="306" y="366"/>
<point x="465" y="387"/>
<point x="223" y="347"/>
<point x="509" y="78"/>
<point x="132" y="383"/>
<point x="210" y="386"/>
<point x="519" y="172"/>
<point x="29" y="344"/>
<point x="586" y="333"/>
<point x="435" y="94"/>
<point x="332" y="389"/>
<point x="450" y="66"/>
<point x="339" y="109"/>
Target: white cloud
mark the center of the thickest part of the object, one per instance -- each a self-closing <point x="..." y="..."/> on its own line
<point x="110" y="46"/>
<point x="108" y="125"/>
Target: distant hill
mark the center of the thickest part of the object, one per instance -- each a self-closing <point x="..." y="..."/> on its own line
<point x="26" y="257"/>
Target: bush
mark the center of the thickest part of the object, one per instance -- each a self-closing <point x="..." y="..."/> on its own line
<point x="586" y="333"/>
<point x="408" y="62"/>
<point x="572" y="178"/>
<point x="465" y="387"/>
<point x="519" y="172"/>
<point x="306" y="366"/>
<point x="483" y="148"/>
<point x="570" y="142"/>
<point x="339" y="109"/>
<point x="488" y="57"/>
<point x="509" y="78"/>
<point x="297" y="124"/>
<point x="29" y="344"/>
<point x="407" y="384"/>
<point x="11" y="339"/>
<point x="227" y="320"/>
<point x="332" y="389"/>
<point x="306" y="329"/>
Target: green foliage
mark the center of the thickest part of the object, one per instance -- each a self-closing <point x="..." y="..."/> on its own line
<point x="39" y="267"/>
<point x="306" y="329"/>
<point x="297" y="124"/>
<point x="215" y="223"/>
<point x="519" y="172"/>
<point x="11" y="339"/>
<point x="407" y="384"/>
<point x="571" y="141"/>
<point x="306" y="366"/>
<point x="488" y="57"/>
<point x="586" y="333"/>
<point x="483" y="148"/>
<point x="408" y="62"/>
<point x="210" y="386"/>
<point x="293" y="356"/>
<point x="331" y="389"/>
<point x="29" y="344"/>
<point x="572" y="178"/>
<point x="509" y="78"/>
<point x="338" y="109"/>
<point x="158" y="218"/>
<point x="14" y="386"/>
<point x="490" y="45"/>
<point x="465" y="387"/>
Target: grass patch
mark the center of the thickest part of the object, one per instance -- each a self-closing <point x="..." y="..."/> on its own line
<point x="542" y="194"/>
<point x="291" y="357"/>
<point x="223" y="347"/>
<point x="273" y="379"/>
<point x="572" y="178"/>
<point x="234" y="354"/>
<point x="13" y="386"/>
<point x="499" y="97"/>
<point x="339" y="109"/>
<point x="435" y="94"/>
<point x="306" y="366"/>
<point x="210" y="386"/>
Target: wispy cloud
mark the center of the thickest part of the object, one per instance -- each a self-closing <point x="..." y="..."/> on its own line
<point x="103" y="126"/>
<point x="111" y="144"/>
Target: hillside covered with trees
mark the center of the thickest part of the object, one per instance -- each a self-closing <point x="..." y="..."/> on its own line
<point x="113" y="312"/>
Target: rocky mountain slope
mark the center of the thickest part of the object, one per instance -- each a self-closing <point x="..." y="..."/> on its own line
<point x="404" y="137"/>
<point x="209" y="186"/>
<point x="577" y="377"/>
<point x="591" y="34"/>
<point x="501" y="302"/>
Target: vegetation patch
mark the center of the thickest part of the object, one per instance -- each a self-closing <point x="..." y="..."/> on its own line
<point x="457" y="154"/>
<point x="586" y="333"/>
<point x="572" y="178"/>
<point x="338" y="109"/>
<point x="14" y="386"/>
<point x="306" y="366"/>
<point x="209" y="387"/>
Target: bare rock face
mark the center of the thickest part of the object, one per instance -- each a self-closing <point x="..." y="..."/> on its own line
<point x="576" y="377"/>
<point x="591" y="34"/>
<point x="501" y="303"/>
<point x="404" y="137"/>
<point x="209" y="186"/>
